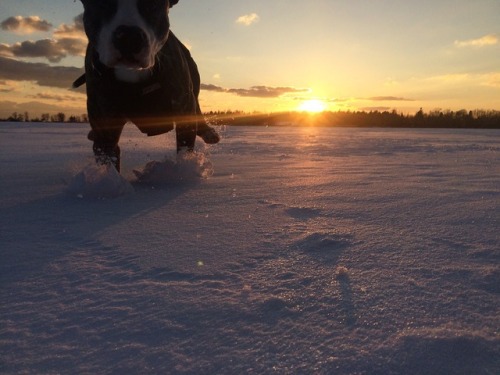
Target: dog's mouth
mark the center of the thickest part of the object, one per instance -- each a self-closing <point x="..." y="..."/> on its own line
<point x="132" y="64"/>
<point x="127" y="62"/>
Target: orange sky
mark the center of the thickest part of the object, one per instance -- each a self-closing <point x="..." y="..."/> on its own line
<point x="274" y="56"/>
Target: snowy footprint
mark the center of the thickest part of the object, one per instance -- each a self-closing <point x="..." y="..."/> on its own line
<point x="99" y="182"/>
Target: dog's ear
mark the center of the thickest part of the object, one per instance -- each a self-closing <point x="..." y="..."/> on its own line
<point x="173" y="2"/>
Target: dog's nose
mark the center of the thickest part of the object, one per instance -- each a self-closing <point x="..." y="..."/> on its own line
<point x="129" y="40"/>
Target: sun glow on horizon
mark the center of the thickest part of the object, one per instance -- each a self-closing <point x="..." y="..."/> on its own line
<point x="312" y="106"/>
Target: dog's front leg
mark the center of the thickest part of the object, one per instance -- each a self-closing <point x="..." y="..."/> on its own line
<point x="107" y="155"/>
<point x="105" y="147"/>
<point x="186" y="136"/>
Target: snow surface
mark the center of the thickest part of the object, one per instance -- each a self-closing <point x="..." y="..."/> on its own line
<point x="280" y="250"/>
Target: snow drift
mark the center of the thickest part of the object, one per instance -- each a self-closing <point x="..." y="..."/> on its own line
<point x="288" y="250"/>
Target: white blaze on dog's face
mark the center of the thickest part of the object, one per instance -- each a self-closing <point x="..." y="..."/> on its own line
<point x="128" y="40"/>
<point x="127" y="34"/>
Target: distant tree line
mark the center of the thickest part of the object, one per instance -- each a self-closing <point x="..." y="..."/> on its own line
<point x="46" y="117"/>
<point x="480" y="119"/>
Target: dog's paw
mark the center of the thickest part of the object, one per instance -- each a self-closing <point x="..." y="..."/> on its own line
<point x="209" y="136"/>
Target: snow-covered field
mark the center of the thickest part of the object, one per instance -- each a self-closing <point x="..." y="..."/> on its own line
<point x="281" y="250"/>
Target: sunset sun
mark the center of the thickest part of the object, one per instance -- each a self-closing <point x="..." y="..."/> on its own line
<point x="312" y="106"/>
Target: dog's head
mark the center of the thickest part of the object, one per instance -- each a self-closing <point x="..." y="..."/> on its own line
<point x="127" y="33"/>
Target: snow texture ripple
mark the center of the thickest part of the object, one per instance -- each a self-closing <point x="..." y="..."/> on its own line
<point x="288" y="251"/>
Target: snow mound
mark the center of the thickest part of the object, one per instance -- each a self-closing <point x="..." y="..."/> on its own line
<point x="324" y="242"/>
<point x="188" y="168"/>
<point x="324" y="247"/>
<point x="444" y="352"/>
<point x="99" y="182"/>
<point x="303" y="213"/>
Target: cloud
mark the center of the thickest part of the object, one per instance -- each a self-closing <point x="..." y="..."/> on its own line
<point x="42" y="74"/>
<point x="7" y="87"/>
<point x="210" y="87"/>
<point x="323" y="99"/>
<point x="57" y="97"/>
<point x="389" y="99"/>
<point x="74" y="30"/>
<point x="255" y="91"/>
<point x="68" y="40"/>
<point x="265" y="91"/>
<point x="487" y="40"/>
<point x="452" y="78"/>
<point x="25" y="25"/>
<point x="5" y="50"/>
<point x="53" y="50"/>
<point x="73" y="46"/>
<point x="491" y="79"/>
<point x="248" y="19"/>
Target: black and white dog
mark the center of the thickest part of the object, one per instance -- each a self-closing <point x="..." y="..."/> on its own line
<point x="137" y="70"/>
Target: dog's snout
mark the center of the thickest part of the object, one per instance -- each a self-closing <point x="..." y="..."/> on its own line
<point x="129" y="40"/>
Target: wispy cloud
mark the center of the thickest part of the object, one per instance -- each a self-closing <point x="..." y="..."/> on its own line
<point x="210" y="87"/>
<point x="453" y="82"/>
<point x="25" y="25"/>
<point x="323" y="99"/>
<point x="389" y="99"/>
<point x="491" y="79"/>
<point x="248" y="19"/>
<point x="53" y="50"/>
<point x="42" y="74"/>
<point x="265" y="91"/>
<point x="255" y="91"/>
<point x="452" y="78"/>
<point x="57" y="97"/>
<point x="74" y="30"/>
<point x="6" y="86"/>
<point x="487" y="40"/>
